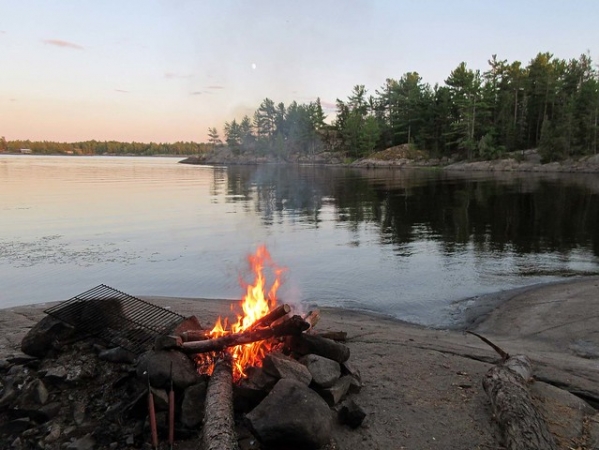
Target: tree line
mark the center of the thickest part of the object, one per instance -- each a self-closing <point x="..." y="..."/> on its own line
<point x="104" y="147"/>
<point x="551" y="104"/>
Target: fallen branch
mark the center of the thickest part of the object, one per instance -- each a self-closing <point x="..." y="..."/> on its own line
<point x="218" y="430"/>
<point x="506" y="385"/>
<point x="295" y="325"/>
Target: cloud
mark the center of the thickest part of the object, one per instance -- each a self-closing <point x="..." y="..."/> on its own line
<point x="215" y="87"/>
<point x="61" y="43"/>
<point x="196" y="93"/>
<point x="2" y="32"/>
<point x="122" y="91"/>
<point x="173" y="75"/>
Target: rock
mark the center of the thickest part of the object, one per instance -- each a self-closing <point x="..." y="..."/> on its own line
<point x="291" y="416"/>
<point x="158" y="367"/>
<point x="167" y="342"/>
<point x="335" y="393"/>
<point x="56" y="374"/>
<point x="564" y="411"/>
<point x="189" y="324"/>
<point x="260" y="379"/>
<point x="4" y="365"/>
<point x="160" y="399"/>
<point x="34" y="395"/>
<point x="351" y="414"/>
<point x="325" y="372"/>
<point x="79" y="413"/>
<point x="53" y="433"/>
<point x="10" y="392"/>
<point x="44" y="335"/>
<point x="282" y="366"/>
<point x="86" y="442"/>
<point x="348" y="368"/>
<point x="117" y="355"/>
<point x="192" y="407"/>
<point x="15" y="427"/>
<point x="50" y="410"/>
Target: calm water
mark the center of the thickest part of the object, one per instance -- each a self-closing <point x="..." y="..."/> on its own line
<point x="406" y="244"/>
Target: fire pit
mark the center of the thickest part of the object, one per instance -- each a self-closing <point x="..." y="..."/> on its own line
<point x="269" y="380"/>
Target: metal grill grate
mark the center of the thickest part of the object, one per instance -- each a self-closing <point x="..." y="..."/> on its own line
<point x="117" y="318"/>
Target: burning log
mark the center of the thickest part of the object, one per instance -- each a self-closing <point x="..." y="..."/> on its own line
<point x="295" y="325"/>
<point x="271" y="317"/>
<point x="218" y="431"/>
<point x="194" y="335"/>
<point x="304" y="344"/>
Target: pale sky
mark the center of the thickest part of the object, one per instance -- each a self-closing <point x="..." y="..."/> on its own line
<point x="166" y="70"/>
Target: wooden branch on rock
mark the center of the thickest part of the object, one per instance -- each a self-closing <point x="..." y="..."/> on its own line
<point x="522" y="425"/>
<point x="295" y="325"/>
<point x="219" y="424"/>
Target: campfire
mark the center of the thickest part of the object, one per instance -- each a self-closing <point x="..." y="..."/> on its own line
<point x="267" y="380"/>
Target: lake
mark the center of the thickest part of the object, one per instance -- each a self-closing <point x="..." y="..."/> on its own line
<point x="403" y="243"/>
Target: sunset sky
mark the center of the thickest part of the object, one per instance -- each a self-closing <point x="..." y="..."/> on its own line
<point x="164" y="71"/>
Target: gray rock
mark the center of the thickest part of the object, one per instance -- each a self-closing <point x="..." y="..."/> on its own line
<point x="44" y="335"/>
<point x="79" y="413"/>
<point x="167" y="342"/>
<point x="117" y="355"/>
<point x="158" y="367"/>
<point x="282" y="366"/>
<point x="53" y="433"/>
<point x="192" y="407"/>
<point x="335" y="393"/>
<point x="160" y="399"/>
<point x="291" y="416"/>
<point x="34" y="395"/>
<point x="16" y="427"/>
<point x="325" y="372"/>
<point x="86" y="442"/>
<point x="351" y="414"/>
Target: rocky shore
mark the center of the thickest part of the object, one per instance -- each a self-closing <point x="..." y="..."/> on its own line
<point x="399" y="157"/>
<point x="421" y="387"/>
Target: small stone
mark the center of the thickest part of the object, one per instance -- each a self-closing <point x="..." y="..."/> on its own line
<point x="130" y="440"/>
<point x="335" y="393"/>
<point x="79" y="413"/>
<point x="86" y="442"/>
<point x="160" y="399"/>
<point x="351" y="414"/>
<point x="325" y="372"/>
<point x="157" y="365"/>
<point x="282" y="366"/>
<point x="117" y="355"/>
<point x="53" y="433"/>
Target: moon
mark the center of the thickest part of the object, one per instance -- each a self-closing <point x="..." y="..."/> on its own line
<point x="254" y="66"/>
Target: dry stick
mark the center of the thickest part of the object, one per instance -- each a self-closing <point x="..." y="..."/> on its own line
<point x="194" y="335"/>
<point x="293" y="326"/>
<point x="506" y="386"/>
<point x="218" y="430"/>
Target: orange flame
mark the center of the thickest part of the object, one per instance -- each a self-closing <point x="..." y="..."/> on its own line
<point x="256" y="303"/>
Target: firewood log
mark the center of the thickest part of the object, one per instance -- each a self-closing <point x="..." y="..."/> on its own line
<point x="293" y="326"/>
<point x="219" y="424"/>
<point x="304" y="344"/>
<point x="506" y="385"/>
<point x="522" y="425"/>
<point x="268" y="319"/>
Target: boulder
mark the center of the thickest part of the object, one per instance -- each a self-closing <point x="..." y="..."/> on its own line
<point x="291" y="416"/>
<point x="157" y="365"/>
<point x="44" y="335"/>
<point x="325" y="372"/>
<point x="192" y="407"/>
<point x="335" y="393"/>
